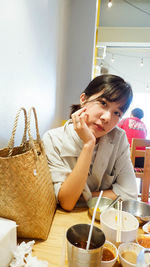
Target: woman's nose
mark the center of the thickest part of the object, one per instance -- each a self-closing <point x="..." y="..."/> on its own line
<point x="106" y="116"/>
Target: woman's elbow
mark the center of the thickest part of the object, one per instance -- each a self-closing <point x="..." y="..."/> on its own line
<point x="65" y="202"/>
<point x="66" y="205"/>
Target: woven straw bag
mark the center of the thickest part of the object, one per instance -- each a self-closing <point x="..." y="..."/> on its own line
<point x="26" y="189"/>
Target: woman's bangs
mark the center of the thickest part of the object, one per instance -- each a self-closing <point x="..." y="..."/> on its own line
<point x="117" y="94"/>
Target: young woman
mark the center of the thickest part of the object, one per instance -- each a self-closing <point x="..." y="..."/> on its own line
<point x="90" y="153"/>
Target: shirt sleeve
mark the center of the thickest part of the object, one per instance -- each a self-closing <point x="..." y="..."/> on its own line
<point x="58" y="166"/>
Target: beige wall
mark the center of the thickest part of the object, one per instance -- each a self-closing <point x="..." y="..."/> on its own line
<point x="46" y="53"/>
<point x="31" y="34"/>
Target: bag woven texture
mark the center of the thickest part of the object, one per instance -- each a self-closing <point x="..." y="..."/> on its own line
<point x="26" y="188"/>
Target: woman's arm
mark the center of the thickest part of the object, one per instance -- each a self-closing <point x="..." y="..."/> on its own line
<point x="73" y="185"/>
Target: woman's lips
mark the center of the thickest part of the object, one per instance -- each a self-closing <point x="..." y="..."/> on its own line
<point x="99" y="127"/>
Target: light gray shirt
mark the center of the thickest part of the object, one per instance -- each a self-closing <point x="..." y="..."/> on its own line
<point x="112" y="167"/>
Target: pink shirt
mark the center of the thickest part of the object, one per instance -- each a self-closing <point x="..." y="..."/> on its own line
<point x="134" y="128"/>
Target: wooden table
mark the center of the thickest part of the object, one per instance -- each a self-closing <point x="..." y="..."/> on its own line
<point x="53" y="248"/>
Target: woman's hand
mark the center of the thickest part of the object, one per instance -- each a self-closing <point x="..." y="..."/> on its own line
<point x="79" y="119"/>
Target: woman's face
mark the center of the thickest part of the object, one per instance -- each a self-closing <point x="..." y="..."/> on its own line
<point x="102" y="114"/>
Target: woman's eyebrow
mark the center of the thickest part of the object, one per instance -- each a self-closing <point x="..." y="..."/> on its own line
<point x="98" y="98"/>
<point x="95" y="99"/>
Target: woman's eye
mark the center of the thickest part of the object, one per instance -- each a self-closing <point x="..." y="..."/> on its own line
<point x="103" y="103"/>
<point x="117" y="113"/>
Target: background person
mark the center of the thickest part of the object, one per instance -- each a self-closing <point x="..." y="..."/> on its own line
<point x="135" y="128"/>
<point x="89" y="153"/>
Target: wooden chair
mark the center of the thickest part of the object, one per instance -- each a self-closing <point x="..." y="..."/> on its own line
<point x="146" y="176"/>
<point x="141" y="172"/>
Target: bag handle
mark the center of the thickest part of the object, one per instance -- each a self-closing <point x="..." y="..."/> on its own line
<point x="12" y="138"/>
<point x="38" y="138"/>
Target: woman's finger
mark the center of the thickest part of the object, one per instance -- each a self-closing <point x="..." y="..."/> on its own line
<point x="79" y="111"/>
<point x="83" y="118"/>
<point x="77" y="120"/>
<point x="76" y="116"/>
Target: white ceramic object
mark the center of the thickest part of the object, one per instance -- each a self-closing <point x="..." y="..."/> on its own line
<point x="114" y="250"/>
<point x="143" y="258"/>
<point x="8" y="241"/>
<point x="131" y="247"/>
<point x="109" y="226"/>
<point x="146" y="227"/>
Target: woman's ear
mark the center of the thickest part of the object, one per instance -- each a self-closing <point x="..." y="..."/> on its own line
<point x="82" y="99"/>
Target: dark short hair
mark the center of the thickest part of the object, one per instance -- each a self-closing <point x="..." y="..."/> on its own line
<point x="137" y="112"/>
<point x="113" y="88"/>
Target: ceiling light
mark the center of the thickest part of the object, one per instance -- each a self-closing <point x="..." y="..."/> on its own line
<point x="110" y="3"/>
<point x="142" y="62"/>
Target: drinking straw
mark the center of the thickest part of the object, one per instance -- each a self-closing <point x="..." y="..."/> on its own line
<point x="119" y="221"/>
<point x="93" y="219"/>
<point x="117" y="234"/>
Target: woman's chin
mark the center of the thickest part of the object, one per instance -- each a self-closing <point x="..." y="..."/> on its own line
<point x="97" y="133"/>
<point x="97" y="136"/>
